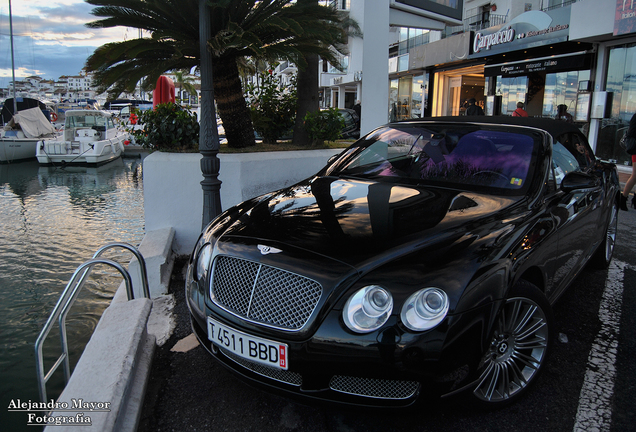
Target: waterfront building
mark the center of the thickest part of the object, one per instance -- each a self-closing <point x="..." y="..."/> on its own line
<point x="576" y="53"/>
<point x="544" y="53"/>
<point x="371" y="58"/>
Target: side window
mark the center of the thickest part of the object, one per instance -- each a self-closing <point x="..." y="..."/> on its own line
<point x="582" y="151"/>
<point x="347" y="118"/>
<point x="563" y="158"/>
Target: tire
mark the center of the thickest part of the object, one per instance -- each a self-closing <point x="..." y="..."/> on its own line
<point x="520" y="344"/>
<point x="603" y="255"/>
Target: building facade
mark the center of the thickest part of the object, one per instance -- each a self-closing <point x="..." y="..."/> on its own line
<point x="570" y="60"/>
<point x="548" y="54"/>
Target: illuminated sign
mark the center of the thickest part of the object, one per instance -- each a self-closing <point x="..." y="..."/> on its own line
<point x="504" y="35"/>
<point x="528" y="30"/>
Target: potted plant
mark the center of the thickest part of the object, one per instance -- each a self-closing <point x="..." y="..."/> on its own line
<point x="168" y="127"/>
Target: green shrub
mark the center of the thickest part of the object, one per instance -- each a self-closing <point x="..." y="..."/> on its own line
<point x="272" y="107"/>
<point x="168" y="127"/>
<point x="324" y="125"/>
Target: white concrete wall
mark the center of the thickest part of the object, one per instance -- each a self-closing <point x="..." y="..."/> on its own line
<point x="173" y="196"/>
<point x="589" y="19"/>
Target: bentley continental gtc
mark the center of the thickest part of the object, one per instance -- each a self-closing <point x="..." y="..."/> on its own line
<point x="421" y="262"/>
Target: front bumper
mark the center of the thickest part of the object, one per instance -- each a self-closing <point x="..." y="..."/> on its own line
<point x="386" y="369"/>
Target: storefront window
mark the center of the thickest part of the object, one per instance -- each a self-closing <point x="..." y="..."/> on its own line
<point x="621" y="84"/>
<point x="419" y="95"/>
<point x="561" y="89"/>
<point x="404" y="96"/>
<point x="327" y="102"/>
<point x="400" y="99"/>
<point x="393" y="100"/>
<point x="511" y="90"/>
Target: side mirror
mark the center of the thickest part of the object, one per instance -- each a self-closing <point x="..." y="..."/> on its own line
<point x="577" y="180"/>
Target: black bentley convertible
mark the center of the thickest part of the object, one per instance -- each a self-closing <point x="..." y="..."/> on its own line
<point x="420" y="262"/>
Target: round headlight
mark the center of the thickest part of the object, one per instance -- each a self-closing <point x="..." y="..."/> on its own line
<point x="368" y="309"/>
<point x="203" y="262"/>
<point x="425" y="309"/>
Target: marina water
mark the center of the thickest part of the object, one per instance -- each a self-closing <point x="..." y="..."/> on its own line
<point x="51" y="221"/>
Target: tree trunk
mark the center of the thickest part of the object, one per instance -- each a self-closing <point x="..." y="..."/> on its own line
<point x="307" y="98"/>
<point x="230" y="102"/>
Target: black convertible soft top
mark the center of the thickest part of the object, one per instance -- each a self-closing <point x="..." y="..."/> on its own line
<point x="553" y="127"/>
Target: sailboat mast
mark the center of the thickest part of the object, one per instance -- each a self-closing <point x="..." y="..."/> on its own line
<point x="15" y="102"/>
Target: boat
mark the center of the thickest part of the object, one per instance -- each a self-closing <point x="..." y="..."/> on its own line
<point x="90" y="138"/>
<point x="19" y="137"/>
<point x="24" y="121"/>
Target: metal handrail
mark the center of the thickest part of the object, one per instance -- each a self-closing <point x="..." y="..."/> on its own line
<point x="67" y="299"/>
<point x="140" y="259"/>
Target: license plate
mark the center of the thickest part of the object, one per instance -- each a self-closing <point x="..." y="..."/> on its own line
<point x="263" y="351"/>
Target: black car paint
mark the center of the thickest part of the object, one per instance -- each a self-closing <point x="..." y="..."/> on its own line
<point x="492" y="241"/>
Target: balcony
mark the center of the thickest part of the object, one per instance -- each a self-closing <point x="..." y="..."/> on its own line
<point x="476" y="23"/>
<point x="562" y="4"/>
<point x="286" y="68"/>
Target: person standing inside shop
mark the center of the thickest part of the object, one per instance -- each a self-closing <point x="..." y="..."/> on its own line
<point x="520" y="112"/>
<point x="473" y="109"/>
<point x="563" y="114"/>
<point x="631" y="181"/>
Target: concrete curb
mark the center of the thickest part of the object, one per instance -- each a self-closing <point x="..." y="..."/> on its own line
<point x="107" y="386"/>
<point x="114" y="368"/>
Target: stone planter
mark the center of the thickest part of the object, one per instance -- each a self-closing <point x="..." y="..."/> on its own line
<point x="173" y="196"/>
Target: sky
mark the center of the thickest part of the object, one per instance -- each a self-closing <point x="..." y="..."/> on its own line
<point x="50" y="38"/>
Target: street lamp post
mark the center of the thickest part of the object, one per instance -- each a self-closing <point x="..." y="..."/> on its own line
<point x="208" y="136"/>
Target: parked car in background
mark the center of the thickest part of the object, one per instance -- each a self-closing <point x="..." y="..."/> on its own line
<point x="421" y="262"/>
<point x="351" y="128"/>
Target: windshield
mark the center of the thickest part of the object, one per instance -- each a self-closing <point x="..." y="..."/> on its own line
<point x="467" y="156"/>
<point x="87" y="120"/>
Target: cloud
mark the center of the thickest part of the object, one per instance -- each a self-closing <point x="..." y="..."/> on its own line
<point x="51" y="41"/>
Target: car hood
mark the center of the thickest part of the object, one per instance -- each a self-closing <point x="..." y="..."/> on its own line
<point x="358" y="222"/>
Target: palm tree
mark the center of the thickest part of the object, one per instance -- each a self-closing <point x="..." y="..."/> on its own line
<point x="185" y="82"/>
<point x="262" y="29"/>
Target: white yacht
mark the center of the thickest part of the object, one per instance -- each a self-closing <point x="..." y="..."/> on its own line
<point x="19" y="137"/>
<point x="90" y="138"/>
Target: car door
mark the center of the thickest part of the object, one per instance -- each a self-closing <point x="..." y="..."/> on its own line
<point x="576" y="213"/>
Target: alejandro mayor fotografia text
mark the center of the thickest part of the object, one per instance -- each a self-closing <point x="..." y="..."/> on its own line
<point x="78" y="406"/>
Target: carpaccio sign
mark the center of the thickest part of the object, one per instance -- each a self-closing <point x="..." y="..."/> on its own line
<point x="504" y="35"/>
<point x="530" y="29"/>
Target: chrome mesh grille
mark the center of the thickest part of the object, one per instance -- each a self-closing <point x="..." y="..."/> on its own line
<point x="264" y="294"/>
<point x="375" y="388"/>
<point x="288" y="377"/>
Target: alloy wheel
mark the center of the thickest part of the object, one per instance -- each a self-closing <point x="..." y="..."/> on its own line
<point x="517" y="350"/>
<point x="610" y="236"/>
